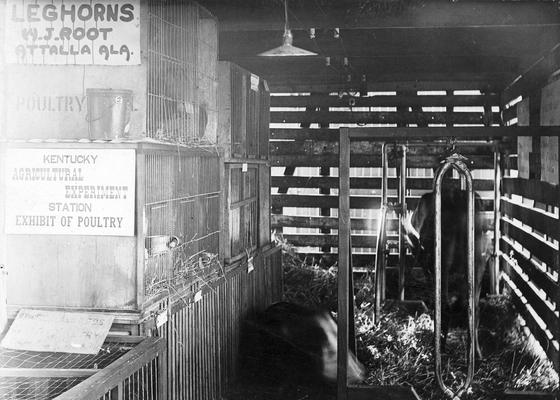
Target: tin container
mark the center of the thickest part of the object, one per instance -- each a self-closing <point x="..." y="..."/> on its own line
<point x="109" y="113"/>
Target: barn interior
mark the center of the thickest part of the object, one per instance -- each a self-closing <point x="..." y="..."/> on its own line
<point x="435" y="72"/>
<point x="237" y="154"/>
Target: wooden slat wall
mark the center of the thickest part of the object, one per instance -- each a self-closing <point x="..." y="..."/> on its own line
<point x="530" y="256"/>
<point x="203" y="335"/>
<point x="303" y="146"/>
<point x="530" y="224"/>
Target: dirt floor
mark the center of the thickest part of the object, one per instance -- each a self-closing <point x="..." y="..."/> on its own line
<point x="283" y="391"/>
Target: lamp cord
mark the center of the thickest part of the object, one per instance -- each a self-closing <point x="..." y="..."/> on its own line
<point x="286" y="26"/>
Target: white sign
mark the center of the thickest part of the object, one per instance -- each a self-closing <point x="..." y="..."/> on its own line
<point x="70" y="191"/>
<point x="250" y="265"/>
<point x="100" y="32"/>
<point x="58" y="331"/>
<point x="254" y="82"/>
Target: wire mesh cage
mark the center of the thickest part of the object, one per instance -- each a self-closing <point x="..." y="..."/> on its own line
<point x="108" y="353"/>
<point x="32" y="388"/>
<point x="38" y="386"/>
<point x="182" y="201"/>
<point x="182" y="57"/>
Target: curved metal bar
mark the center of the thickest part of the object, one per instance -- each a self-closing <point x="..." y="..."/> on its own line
<point x="380" y="262"/>
<point x="381" y="237"/>
<point x="402" y="202"/>
<point x="384" y="173"/>
<point x="456" y="163"/>
<point x="495" y="275"/>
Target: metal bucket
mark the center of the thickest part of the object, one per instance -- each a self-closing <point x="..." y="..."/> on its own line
<point x="108" y="113"/>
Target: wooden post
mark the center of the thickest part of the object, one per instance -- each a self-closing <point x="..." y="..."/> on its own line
<point x="401" y="175"/>
<point x="264" y="204"/>
<point x="140" y="228"/>
<point x="343" y="264"/>
<point x="225" y="239"/>
<point x="557" y="333"/>
<point x="3" y="245"/>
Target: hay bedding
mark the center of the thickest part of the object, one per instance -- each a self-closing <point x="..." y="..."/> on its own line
<point x="398" y="351"/>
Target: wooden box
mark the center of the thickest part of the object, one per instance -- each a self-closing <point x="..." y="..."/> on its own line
<point x="244" y="112"/>
<point x="246" y="209"/>
<point x="103" y="251"/>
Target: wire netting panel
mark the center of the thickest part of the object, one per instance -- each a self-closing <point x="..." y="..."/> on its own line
<point x="46" y="388"/>
<point x="182" y="200"/>
<point x="182" y="57"/>
<point x="238" y="89"/>
<point x="172" y="33"/>
<point x="108" y="353"/>
<point x="207" y="77"/>
<point x="12" y="388"/>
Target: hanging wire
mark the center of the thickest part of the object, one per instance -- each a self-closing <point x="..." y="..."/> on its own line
<point x="286" y="24"/>
<point x="344" y="50"/>
<point x="342" y="72"/>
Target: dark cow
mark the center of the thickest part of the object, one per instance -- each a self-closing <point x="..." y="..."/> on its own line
<point x="291" y="342"/>
<point x="420" y="236"/>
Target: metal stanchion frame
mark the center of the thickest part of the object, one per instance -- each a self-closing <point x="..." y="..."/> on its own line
<point x="380" y="260"/>
<point x="344" y="391"/>
<point x="456" y="162"/>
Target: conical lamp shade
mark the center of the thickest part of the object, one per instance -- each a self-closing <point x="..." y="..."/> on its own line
<point x="287" y="50"/>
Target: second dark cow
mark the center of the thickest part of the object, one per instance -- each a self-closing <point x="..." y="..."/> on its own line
<point x="420" y="236"/>
<point x="296" y="344"/>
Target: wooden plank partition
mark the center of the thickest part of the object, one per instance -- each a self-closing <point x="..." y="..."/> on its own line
<point x="399" y="115"/>
<point x="299" y="196"/>
<point x="203" y="324"/>
<point x="530" y="257"/>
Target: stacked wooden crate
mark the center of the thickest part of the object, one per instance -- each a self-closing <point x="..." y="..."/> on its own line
<point x="170" y="71"/>
<point x="243" y="132"/>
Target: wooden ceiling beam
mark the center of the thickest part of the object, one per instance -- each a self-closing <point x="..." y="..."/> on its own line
<point x="285" y="73"/>
<point x="456" y="132"/>
<point x="389" y="81"/>
<point x="394" y="83"/>
<point x="385" y="101"/>
<point x="506" y="42"/>
<point x="425" y="14"/>
<point x="369" y="65"/>
<point x="535" y="77"/>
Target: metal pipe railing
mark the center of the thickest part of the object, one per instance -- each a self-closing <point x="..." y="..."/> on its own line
<point x="380" y="261"/>
<point x="402" y="202"/>
<point x="456" y="162"/>
<point x="381" y="237"/>
<point x="495" y="273"/>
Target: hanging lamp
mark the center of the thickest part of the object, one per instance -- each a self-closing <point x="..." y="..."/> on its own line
<point x="287" y="50"/>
